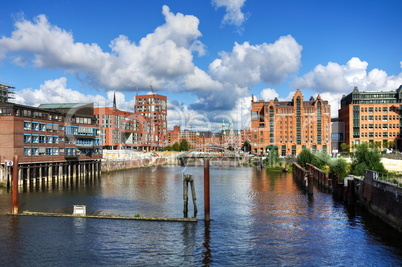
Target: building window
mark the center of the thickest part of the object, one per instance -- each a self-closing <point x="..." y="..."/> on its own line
<point x="27" y="138"/>
<point x="27" y="125"/>
<point x="27" y="151"/>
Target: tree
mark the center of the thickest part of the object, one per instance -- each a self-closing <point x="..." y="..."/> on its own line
<point x="345" y="147"/>
<point x="366" y="159"/>
<point x="168" y="148"/>
<point x="176" y="147"/>
<point x="184" y="146"/>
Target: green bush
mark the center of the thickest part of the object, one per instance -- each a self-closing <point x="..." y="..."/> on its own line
<point x="339" y="166"/>
<point x="304" y="157"/>
<point x="366" y="159"/>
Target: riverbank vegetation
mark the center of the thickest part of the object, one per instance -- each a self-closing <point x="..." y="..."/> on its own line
<point x="364" y="158"/>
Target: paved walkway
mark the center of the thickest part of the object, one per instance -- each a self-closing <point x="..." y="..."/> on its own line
<point x="393" y="165"/>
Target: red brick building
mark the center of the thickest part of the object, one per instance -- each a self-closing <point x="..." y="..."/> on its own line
<point x="291" y="125"/>
<point x="226" y="138"/>
<point x="125" y="130"/>
<point x="47" y="137"/>
<point x="145" y="129"/>
<point x="154" y="106"/>
<point x="372" y="117"/>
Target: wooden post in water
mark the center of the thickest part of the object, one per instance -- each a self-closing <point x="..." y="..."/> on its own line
<point x="206" y="191"/>
<point x="185" y="195"/>
<point x="309" y="183"/>
<point x="187" y="178"/>
<point x="194" y="197"/>
<point x="14" y="188"/>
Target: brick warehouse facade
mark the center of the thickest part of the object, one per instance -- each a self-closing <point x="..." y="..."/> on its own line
<point x="49" y="139"/>
<point x="372" y="117"/>
<point x="291" y="125"/>
<point x="125" y="130"/>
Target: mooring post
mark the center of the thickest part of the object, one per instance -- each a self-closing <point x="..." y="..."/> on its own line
<point x="185" y="195"/>
<point x="194" y="196"/>
<point x="309" y="183"/>
<point x="206" y="191"/>
<point x="14" y="188"/>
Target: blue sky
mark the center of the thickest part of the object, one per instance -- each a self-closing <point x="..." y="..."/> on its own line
<point x="208" y="57"/>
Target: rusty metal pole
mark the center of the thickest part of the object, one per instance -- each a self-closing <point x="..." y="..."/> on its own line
<point x="15" y="185"/>
<point x="206" y="191"/>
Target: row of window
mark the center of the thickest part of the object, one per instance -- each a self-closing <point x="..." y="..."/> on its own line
<point x="377" y="134"/>
<point x="39" y="126"/>
<point x="37" y="114"/>
<point x="383" y="118"/>
<point x="42" y="139"/>
<point x="79" y="130"/>
<point x="42" y="151"/>
<point x="379" y="126"/>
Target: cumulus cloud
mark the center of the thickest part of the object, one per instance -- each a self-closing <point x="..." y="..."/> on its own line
<point x="56" y="91"/>
<point x="231" y="76"/>
<point x="234" y="15"/>
<point x="160" y="57"/>
<point x="336" y="78"/>
<point x="268" y="94"/>
<point x="163" y="58"/>
<point x="248" y="64"/>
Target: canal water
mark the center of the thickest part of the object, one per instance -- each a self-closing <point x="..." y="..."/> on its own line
<point x="258" y="219"/>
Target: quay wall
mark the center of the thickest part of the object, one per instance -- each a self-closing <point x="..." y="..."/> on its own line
<point x="380" y="198"/>
<point x="108" y="165"/>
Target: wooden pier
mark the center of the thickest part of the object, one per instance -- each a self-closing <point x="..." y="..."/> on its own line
<point x="110" y="217"/>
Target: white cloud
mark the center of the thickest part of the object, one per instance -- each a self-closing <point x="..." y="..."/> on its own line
<point x="247" y="64"/>
<point x="234" y="15"/>
<point x="268" y="94"/>
<point x="334" y="100"/>
<point x="199" y="79"/>
<point x="334" y="80"/>
<point x="337" y="78"/>
<point x="56" y="91"/>
<point x="160" y="57"/>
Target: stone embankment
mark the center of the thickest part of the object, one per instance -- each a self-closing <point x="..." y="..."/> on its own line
<point x="381" y="198"/>
<point x="115" y="160"/>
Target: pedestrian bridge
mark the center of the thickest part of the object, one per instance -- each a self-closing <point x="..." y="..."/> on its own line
<point x="223" y="156"/>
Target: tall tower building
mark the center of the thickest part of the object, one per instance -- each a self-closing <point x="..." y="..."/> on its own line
<point x="154" y="106"/>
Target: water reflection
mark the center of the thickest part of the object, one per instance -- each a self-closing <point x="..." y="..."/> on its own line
<point x="258" y="218"/>
<point x="207" y="254"/>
